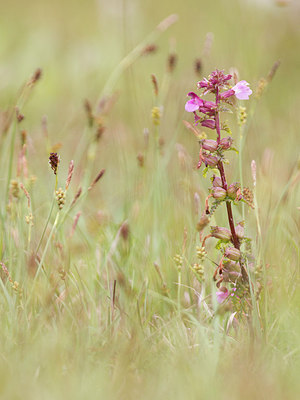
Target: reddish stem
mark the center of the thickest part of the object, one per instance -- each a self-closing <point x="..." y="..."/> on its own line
<point x="220" y="166"/>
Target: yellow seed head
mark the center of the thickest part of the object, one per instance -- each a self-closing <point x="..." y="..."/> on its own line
<point x="156" y="115"/>
<point x="199" y="269"/>
<point x="260" y="87"/>
<point x="14" y="188"/>
<point x="242" y="116"/>
<point x="60" y="198"/>
<point x="29" y="219"/>
<point x="201" y="253"/>
<point x="178" y="260"/>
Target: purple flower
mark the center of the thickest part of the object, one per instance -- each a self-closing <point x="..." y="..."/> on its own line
<point x="209" y="123"/>
<point x="216" y="80"/>
<point x="227" y="94"/>
<point x="226" y="143"/>
<point x="242" y="91"/>
<point x="218" y="193"/>
<point x="196" y="118"/>
<point x="210" y="145"/>
<point x="193" y="104"/>
<point x="210" y="160"/>
<point x="222" y="294"/>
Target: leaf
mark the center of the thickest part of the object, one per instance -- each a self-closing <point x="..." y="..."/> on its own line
<point x="205" y="171"/>
<point x="234" y="149"/>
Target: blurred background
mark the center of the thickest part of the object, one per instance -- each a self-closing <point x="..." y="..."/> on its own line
<point x="79" y="46"/>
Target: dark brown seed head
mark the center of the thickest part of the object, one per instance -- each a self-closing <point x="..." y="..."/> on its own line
<point x="54" y="161"/>
<point x="198" y="66"/>
<point x="37" y="75"/>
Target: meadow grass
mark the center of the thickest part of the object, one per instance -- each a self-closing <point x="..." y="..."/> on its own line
<point x="92" y="303"/>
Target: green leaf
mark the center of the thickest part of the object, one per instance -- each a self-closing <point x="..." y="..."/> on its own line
<point x="205" y="171"/>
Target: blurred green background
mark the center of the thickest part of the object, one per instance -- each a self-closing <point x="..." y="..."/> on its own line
<point x="78" y="44"/>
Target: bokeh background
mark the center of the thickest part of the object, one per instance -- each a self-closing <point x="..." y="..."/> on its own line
<point x="78" y="44"/>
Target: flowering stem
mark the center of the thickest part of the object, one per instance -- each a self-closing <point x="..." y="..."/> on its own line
<point x="220" y="166"/>
<point x="217" y="120"/>
<point x="228" y="207"/>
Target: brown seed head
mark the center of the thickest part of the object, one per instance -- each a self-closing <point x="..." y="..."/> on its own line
<point x="98" y="177"/>
<point x="150" y="48"/>
<point x="37" y="75"/>
<point x="54" y="162"/>
<point x="172" y="61"/>
<point x="198" y="66"/>
<point x="19" y="116"/>
<point x="273" y="70"/>
<point x="155" y="84"/>
<point x="140" y="158"/>
<point x="76" y="197"/>
<point x="70" y="174"/>
<point x="89" y="112"/>
<point x="248" y="196"/>
<point x="124" y="230"/>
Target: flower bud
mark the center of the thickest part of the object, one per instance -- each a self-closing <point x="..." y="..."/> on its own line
<point x="226" y="143"/>
<point x="230" y="276"/>
<point x="216" y="181"/>
<point x="210" y="145"/>
<point x="232" y="253"/>
<point x="232" y="190"/>
<point x="219" y="193"/>
<point x="203" y="222"/>
<point x="227" y="94"/>
<point x="210" y="160"/>
<point x="209" y="123"/>
<point x="231" y="266"/>
<point x="220" y="233"/>
<point x="239" y="230"/>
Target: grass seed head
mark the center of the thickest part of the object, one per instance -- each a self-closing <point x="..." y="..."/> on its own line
<point x="54" y="162"/>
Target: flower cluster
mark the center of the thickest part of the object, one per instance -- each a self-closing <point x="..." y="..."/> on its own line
<point x="217" y="81"/>
<point x="231" y="266"/>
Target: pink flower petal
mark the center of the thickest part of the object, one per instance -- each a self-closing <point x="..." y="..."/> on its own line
<point x="191" y="106"/>
<point x="242" y="91"/>
<point x="222" y="294"/>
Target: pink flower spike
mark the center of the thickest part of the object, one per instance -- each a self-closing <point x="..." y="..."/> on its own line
<point x="222" y="294"/>
<point x="242" y="91"/>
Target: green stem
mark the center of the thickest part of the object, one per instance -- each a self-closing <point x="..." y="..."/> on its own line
<point x="241" y="146"/>
<point x="48" y="219"/>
